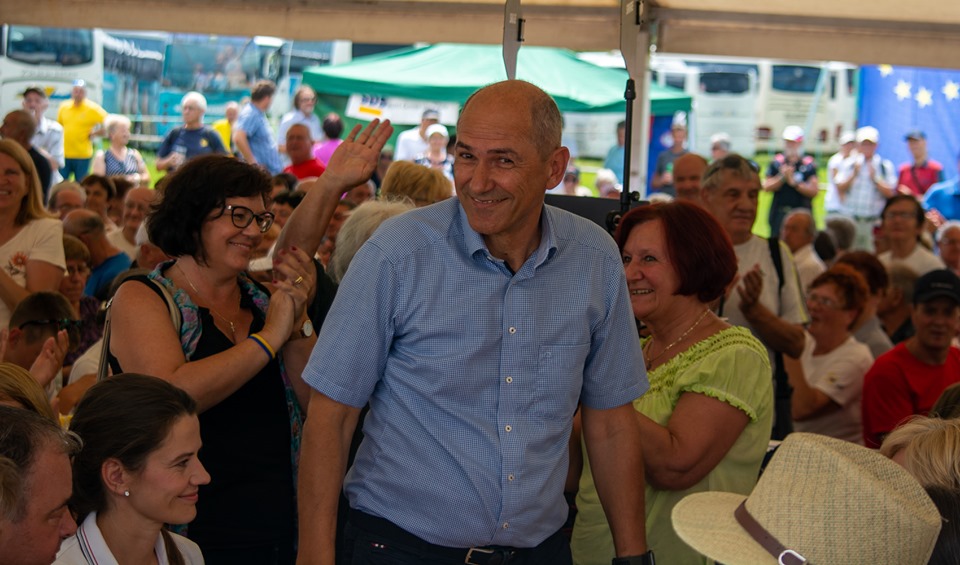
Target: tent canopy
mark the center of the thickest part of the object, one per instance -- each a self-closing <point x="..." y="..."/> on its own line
<point x="450" y="73"/>
<point x="922" y="32"/>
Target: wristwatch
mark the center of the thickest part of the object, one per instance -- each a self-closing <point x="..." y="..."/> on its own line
<point x="306" y="330"/>
<point x="645" y="559"/>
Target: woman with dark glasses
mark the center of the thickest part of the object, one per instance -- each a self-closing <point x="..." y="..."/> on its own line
<point x="238" y="350"/>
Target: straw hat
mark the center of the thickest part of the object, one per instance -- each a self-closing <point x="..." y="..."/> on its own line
<point x="827" y="500"/>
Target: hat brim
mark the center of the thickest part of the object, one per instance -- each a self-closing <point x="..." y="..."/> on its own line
<point x="927" y="297"/>
<point x="706" y="523"/>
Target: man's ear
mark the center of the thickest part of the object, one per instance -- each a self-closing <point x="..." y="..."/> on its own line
<point x="15" y="335"/>
<point x="558" y="165"/>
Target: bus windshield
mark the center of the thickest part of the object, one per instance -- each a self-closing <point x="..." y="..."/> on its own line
<point x="50" y="46"/>
<point x="211" y="64"/>
<point x="795" y="78"/>
<point x="724" y="83"/>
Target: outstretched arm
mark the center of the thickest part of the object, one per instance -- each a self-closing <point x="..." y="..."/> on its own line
<point x="352" y="163"/>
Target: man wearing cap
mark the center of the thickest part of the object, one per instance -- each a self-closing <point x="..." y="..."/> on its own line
<point x="832" y="201"/>
<point x="663" y="174"/>
<point x="82" y="120"/>
<point x="571" y="184"/>
<point x="909" y="378"/>
<point x="918" y="177"/>
<point x="414" y="141"/>
<point x="436" y="156"/>
<point x="48" y="141"/>
<point x="791" y="177"/>
<point x="865" y="182"/>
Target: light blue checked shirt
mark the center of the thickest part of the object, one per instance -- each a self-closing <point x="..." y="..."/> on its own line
<point x="260" y="137"/>
<point x="473" y="374"/>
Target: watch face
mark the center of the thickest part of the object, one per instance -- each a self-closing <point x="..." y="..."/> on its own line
<point x="307" y="329"/>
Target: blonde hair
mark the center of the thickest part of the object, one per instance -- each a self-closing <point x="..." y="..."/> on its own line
<point x="113" y="120"/>
<point x="31" y="207"/>
<point x="931" y="449"/>
<point x="422" y="185"/>
<point x="358" y="228"/>
<point x="19" y="386"/>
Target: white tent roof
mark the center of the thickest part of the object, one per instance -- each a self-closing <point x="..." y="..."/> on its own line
<point x="921" y="32"/>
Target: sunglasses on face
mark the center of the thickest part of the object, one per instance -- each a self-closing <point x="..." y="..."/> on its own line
<point x="241" y="216"/>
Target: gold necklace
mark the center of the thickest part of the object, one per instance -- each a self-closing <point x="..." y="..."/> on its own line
<point x="233" y="329"/>
<point x="649" y="360"/>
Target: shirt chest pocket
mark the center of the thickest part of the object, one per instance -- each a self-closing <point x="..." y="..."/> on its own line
<point x="559" y="379"/>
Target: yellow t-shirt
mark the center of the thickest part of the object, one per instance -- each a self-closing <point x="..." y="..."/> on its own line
<point x="223" y="129"/>
<point x="78" y="122"/>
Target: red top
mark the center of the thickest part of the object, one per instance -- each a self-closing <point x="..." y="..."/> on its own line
<point x="920" y="178"/>
<point x="307" y="169"/>
<point x="899" y="385"/>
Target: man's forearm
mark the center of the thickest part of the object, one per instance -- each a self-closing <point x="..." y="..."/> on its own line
<point x="779" y="335"/>
<point x="323" y="461"/>
<point x="613" y="446"/>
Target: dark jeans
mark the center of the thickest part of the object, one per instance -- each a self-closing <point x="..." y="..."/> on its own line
<point x="79" y="168"/>
<point x="250" y="556"/>
<point x="392" y="546"/>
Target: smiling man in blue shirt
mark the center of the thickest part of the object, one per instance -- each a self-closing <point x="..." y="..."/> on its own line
<point x="473" y="328"/>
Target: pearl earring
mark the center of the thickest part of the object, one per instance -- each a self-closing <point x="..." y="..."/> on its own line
<point x="126" y="493"/>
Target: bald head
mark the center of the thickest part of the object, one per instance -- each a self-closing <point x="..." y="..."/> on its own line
<point x="687" y="171"/>
<point x="19" y="126"/>
<point x="545" y="125"/>
<point x="299" y="143"/>
<point x="83" y="224"/>
<point x="798" y="230"/>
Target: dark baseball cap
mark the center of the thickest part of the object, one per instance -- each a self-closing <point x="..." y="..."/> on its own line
<point x="35" y="90"/>
<point x="941" y="282"/>
<point x="914" y="134"/>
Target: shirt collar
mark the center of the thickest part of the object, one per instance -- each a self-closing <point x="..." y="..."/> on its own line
<point x="94" y="546"/>
<point x="474" y="243"/>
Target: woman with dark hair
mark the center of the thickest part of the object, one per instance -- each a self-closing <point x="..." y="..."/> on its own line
<point x="31" y="240"/>
<point x="707" y="417"/>
<point x="827" y="379"/>
<point x="238" y="351"/>
<point x="138" y="470"/>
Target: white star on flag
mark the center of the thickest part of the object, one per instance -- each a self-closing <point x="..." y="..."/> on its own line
<point x="924" y="97"/>
<point x="902" y="90"/>
<point x="886" y="70"/>
<point x="951" y="90"/>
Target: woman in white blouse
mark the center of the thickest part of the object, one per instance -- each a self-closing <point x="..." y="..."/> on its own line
<point x="31" y="240"/>
<point x="138" y="470"/>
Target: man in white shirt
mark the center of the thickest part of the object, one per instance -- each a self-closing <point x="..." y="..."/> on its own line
<point x="414" y="141"/>
<point x="832" y="201"/>
<point x="48" y="140"/>
<point x="865" y="182"/>
<point x="767" y="298"/>
<point x="798" y="232"/>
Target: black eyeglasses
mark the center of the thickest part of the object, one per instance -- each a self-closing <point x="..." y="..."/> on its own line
<point x="62" y="324"/>
<point x="241" y="216"/>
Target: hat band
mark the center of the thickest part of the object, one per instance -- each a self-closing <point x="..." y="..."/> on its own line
<point x="766" y="540"/>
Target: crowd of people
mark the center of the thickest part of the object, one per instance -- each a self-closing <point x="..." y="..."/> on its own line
<point x="312" y="348"/>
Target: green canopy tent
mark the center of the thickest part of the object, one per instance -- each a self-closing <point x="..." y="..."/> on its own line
<point x="449" y="73"/>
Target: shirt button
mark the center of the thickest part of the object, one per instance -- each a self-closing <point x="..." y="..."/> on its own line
<point x="512" y="330"/>
<point x="509" y="380"/>
<point x="508" y="428"/>
<point x="506" y="525"/>
<point x="509" y="477"/>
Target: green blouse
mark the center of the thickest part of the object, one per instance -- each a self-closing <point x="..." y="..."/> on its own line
<point x="731" y="366"/>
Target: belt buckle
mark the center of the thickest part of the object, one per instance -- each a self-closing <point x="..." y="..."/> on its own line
<point x="468" y="560"/>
